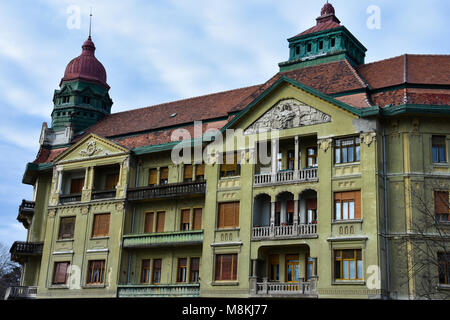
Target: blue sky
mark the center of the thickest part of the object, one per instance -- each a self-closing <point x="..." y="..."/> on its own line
<point x="157" y="51"/>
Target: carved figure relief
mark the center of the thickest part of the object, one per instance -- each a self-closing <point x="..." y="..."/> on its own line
<point x="91" y="149"/>
<point x="286" y="114"/>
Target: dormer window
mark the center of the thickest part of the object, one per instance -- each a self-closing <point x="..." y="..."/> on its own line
<point x="321" y="45"/>
<point x="86" y="100"/>
<point x="297" y="50"/>
<point x="309" y="47"/>
<point x="333" y="42"/>
<point x="65" y="99"/>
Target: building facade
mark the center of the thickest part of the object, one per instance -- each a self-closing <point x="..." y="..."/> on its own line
<point x="330" y="180"/>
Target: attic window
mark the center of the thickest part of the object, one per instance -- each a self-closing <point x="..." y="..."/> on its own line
<point x="173" y="115"/>
<point x="309" y="47"/>
<point x="333" y="42"/>
<point x="86" y="99"/>
<point x="65" y="99"/>
<point x="297" y="50"/>
<point x="320" y="45"/>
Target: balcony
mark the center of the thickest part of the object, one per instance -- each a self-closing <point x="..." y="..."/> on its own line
<point x="26" y="212"/>
<point x="176" y="238"/>
<point x="159" y="290"/>
<point x="20" y="250"/>
<point x="20" y="292"/>
<point x="284" y="177"/>
<point x="167" y="191"/>
<point x="299" y="231"/>
<point x="301" y="289"/>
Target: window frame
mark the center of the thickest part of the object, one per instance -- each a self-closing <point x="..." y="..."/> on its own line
<point x="221" y="219"/>
<point x="344" y="198"/>
<point x="218" y="263"/>
<point x="439" y="215"/>
<point x="341" y="260"/>
<point x="438" y="145"/>
<point x="356" y="145"/>
<point x="156" y="272"/>
<point x="182" y="266"/>
<point x="194" y="274"/>
<point x="443" y="268"/>
<point x="95" y="224"/>
<point x="91" y="277"/>
<point x="61" y="232"/>
<point x="145" y="270"/>
<point x="66" y="274"/>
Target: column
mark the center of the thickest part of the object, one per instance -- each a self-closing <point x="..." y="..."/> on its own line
<point x="272" y="216"/>
<point x="295" y="214"/>
<point x="59" y="182"/>
<point x="274" y="147"/>
<point x="296" y="159"/>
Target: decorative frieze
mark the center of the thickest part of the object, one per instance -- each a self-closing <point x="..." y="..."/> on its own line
<point x="324" y="144"/>
<point x="368" y="137"/>
<point x="287" y="114"/>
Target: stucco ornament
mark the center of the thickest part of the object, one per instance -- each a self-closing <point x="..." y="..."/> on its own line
<point x="368" y="137"/>
<point x="324" y="144"/>
<point x="286" y="114"/>
<point x="91" y="149"/>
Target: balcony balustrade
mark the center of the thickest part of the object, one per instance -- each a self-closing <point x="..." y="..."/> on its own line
<point x="103" y="194"/>
<point x="297" y="231"/>
<point x="301" y="288"/>
<point x="167" y="190"/>
<point x="20" y="248"/>
<point x="162" y="239"/>
<point x="69" y="198"/>
<point x="289" y="176"/>
<point x="159" y="290"/>
<point x="20" y="292"/>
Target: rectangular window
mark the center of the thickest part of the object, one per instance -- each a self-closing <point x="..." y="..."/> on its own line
<point x="292" y="268"/>
<point x="347" y="205"/>
<point x="182" y="270"/>
<point x="274" y="267"/>
<point x="148" y="223"/>
<point x="200" y="172"/>
<point x="348" y="265"/>
<point x="111" y="181"/>
<point x="187" y="172"/>
<point x="101" y="225"/>
<point x="320" y="45"/>
<point x="441" y="206"/>
<point x="333" y="42"/>
<point x="347" y="150"/>
<point x="228" y="215"/>
<point x="280" y="161"/>
<point x="197" y="223"/>
<point x="439" y="149"/>
<point x="96" y="272"/>
<point x="291" y="159"/>
<point x="145" y="271"/>
<point x="164" y="175"/>
<point x="311" y="209"/>
<point x="290" y="212"/>
<point x="444" y="268"/>
<point x="230" y="166"/>
<point x="153" y="177"/>
<point x="156" y="278"/>
<point x="312" y="156"/>
<point x="66" y="228"/>
<point x="76" y="185"/>
<point x="160" y="219"/>
<point x="61" y="272"/>
<point x="194" y="276"/>
<point x="310" y="267"/>
<point x="184" y="219"/>
<point x="226" y="267"/>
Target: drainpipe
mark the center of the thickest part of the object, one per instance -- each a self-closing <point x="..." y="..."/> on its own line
<point x="386" y="223"/>
<point x="132" y="224"/>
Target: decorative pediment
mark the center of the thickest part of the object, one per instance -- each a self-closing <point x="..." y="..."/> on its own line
<point x="287" y="114"/>
<point x="91" y="147"/>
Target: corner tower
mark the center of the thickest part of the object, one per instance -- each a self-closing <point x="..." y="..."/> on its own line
<point x="327" y="41"/>
<point x="83" y="97"/>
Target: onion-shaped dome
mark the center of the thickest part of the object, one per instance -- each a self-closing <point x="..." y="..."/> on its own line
<point x="327" y="9"/>
<point x="86" y="66"/>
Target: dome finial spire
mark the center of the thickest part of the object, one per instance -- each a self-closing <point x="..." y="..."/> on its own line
<point x="90" y="23"/>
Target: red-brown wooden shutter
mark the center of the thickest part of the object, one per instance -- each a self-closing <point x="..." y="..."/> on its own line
<point x="160" y="217"/>
<point x="197" y="224"/>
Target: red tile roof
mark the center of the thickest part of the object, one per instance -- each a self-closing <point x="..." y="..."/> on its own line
<point x="320" y="27"/>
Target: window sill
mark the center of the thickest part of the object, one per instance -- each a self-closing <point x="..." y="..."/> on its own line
<point x="94" y="286"/>
<point x="228" y="229"/>
<point x="65" y="240"/>
<point x="225" y="283"/>
<point x="441" y="164"/>
<point x="442" y="286"/>
<point x="349" y="282"/>
<point x="347" y="164"/>
<point x="347" y="221"/>
<point x="229" y="178"/>
<point x="100" y="238"/>
<point x="58" y="286"/>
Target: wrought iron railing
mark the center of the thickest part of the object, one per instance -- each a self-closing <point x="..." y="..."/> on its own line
<point x="68" y="198"/>
<point x="103" y="194"/>
<point x="21" y="292"/>
<point x="26" y="248"/>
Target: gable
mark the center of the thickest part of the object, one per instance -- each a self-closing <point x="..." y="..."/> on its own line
<point x="91" y="147"/>
<point x="287" y="114"/>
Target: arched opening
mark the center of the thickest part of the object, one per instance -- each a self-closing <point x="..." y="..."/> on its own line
<point x="308" y="213"/>
<point x="284" y="209"/>
<point x="261" y="210"/>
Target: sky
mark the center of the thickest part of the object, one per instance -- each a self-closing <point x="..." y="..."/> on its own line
<point x="159" y="51"/>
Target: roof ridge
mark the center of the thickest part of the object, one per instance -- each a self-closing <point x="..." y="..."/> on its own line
<point x="363" y="82"/>
<point x="407" y="54"/>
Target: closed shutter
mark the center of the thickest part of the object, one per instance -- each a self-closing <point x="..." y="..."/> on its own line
<point x="111" y="181"/>
<point x="226" y="267"/>
<point x="200" y="172"/>
<point x="149" y="219"/>
<point x="185" y="217"/>
<point x="311" y="204"/>
<point x="66" y="228"/>
<point x="60" y="273"/>
<point x="188" y="172"/>
<point x="441" y="202"/>
<point x="290" y="206"/>
<point x="197" y="219"/>
<point x="101" y="225"/>
<point x="160" y="217"/>
<point x="152" y="177"/>
<point x="228" y="215"/>
<point x="76" y="185"/>
<point x="164" y="175"/>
